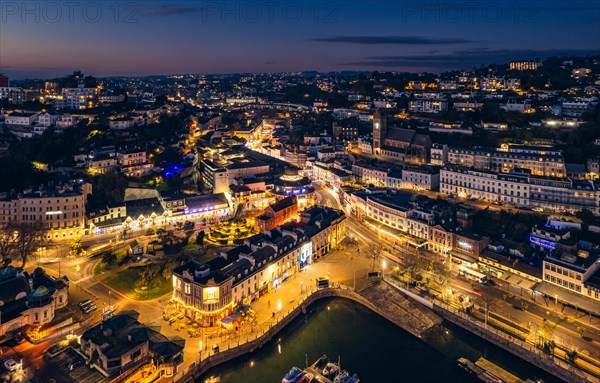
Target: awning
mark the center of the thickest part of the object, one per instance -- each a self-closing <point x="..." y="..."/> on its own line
<point x="463" y="257"/>
<point x="569" y="298"/>
<point x="230" y="318"/>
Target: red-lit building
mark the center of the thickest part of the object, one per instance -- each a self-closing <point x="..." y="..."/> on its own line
<point x="277" y="214"/>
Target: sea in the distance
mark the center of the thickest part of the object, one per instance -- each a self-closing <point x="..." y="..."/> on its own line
<point x="369" y="345"/>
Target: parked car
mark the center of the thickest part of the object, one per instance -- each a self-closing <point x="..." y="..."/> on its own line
<point x="90" y="308"/>
<point x="11" y="365"/>
<point x="85" y="303"/>
<point x="75" y="364"/>
<point x="18" y="338"/>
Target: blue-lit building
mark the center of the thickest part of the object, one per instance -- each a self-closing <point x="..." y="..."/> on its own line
<point x="291" y="183"/>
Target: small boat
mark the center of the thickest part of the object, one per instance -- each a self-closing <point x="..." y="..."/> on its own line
<point x="330" y="368"/>
<point x="306" y="378"/>
<point x="293" y="375"/>
<point x="341" y="377"/>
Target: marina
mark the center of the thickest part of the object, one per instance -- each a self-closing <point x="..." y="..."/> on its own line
<point x="322" y="370"/>
<point x="369" y="346"/>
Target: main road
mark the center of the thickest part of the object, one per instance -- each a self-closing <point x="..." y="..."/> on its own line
<point x="502" y="299"/>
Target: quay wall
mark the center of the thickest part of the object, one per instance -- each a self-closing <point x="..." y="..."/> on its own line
<point x="195" y="370"/>
<point x="523" y="350"/>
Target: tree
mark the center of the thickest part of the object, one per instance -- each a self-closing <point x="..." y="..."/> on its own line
<point x="524" y="305"/>
<point x="76" y="246"/>
<point x="29" y="238"/>
<point x="7" y="242"/>
<point x="188" y="227"/>
<point x="580" y="330"/>
<point x="125" y="232"/>
<point x="374" y="253"/>
<point x="165" y="236"/>
<point x="150" y="231"/>
<point x="109" y="257"/>
<point x="147" y="275"/>
<point x="412" y="267"/>
<point x="167" y="270"/>
<point x="200" y="238"/>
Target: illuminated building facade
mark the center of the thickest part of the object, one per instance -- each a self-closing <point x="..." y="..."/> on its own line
<point x="210" y="292"/>
<point x="293" y="184"/>
<point x="579" y="273"/>
<point x="60" y="210"/>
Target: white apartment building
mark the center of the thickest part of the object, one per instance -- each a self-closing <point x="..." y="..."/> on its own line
<point x="367" y="174"/>
<point x="578" y="106"/>
<point x="506" y="188"/>
<point x="46" y="119"/>
<point x="428" y="105"/>
<point x="541" y="161"/>
<point x="578" y="273"/>
<point x="61" y="211"/>
<point x="22" y="119"/>
<point x="77" y="98"/>
<point x="420" y="178"/>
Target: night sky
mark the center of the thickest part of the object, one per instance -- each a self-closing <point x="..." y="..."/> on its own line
<point x="49" y="39"/>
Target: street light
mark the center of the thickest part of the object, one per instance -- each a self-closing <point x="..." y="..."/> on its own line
<point x="383" y="266"/>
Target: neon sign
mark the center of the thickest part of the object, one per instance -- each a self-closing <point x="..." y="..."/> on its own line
<point x="542" y="242"/>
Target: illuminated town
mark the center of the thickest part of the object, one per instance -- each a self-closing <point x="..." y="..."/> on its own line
<point x="307" y="225"/>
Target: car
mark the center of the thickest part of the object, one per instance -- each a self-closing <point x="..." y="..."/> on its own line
<point x="85" y="303"/>
<point x="18" y="338"/>
<point x="89" y="309"/>
<point x="109" y="310"/>
<point x="75" y="364"/>
<point x="11" y="365"/>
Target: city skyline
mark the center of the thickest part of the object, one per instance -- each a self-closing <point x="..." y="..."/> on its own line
<point x="122" y="38"/>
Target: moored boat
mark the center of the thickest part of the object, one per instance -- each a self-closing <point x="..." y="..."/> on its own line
<point x="306" y="378"/>
<point x="293" y="375"/>
<point x="330" y="369"/>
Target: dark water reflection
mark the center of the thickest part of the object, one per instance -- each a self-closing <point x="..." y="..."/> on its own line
<point x="372" y="347"/>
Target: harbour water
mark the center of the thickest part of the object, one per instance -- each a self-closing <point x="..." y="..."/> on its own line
<point x="372" y="347"/>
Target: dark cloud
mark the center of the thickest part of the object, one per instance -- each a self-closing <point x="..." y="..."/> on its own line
<point x="464" y="59"/>
<point x="172" y="10"/>
<point x="392" y="40"/>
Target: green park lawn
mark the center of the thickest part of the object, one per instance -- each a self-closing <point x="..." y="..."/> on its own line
<point x="125" y="282"/>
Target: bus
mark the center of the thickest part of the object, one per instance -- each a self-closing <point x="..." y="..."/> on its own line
<point x="472" y="274"/>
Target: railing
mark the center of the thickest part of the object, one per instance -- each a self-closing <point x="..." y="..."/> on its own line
<point x="257" y="339"/>
<point x="524" y="349"/>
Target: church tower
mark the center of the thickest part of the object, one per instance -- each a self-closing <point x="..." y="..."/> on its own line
<point x="379" y="131"/>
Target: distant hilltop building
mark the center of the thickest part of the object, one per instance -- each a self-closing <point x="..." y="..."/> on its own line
<point x="524" y="65"/>
<point x="3" y="81"/>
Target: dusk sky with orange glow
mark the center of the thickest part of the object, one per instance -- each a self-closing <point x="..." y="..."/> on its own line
<point x="49" y="39"/>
